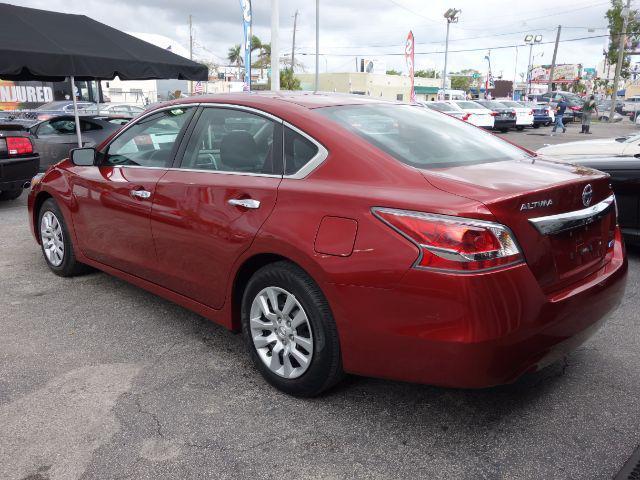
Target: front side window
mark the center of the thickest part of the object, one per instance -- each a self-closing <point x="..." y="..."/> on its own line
<point x="150" y="142"/>
<point x="230" y="140"/>
<point x="421" y="138"/>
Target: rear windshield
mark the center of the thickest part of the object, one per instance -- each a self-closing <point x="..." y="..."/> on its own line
<point x="441" y="107"/>
<point x="512" y="104"/>
<point x="421" y="138"/>
<point x="470" y="105"/>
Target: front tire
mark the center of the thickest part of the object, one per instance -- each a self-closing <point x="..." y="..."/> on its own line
<point x="55" y="242"/>
<point x="10" y="194"/>
<point x="289" y="330"/>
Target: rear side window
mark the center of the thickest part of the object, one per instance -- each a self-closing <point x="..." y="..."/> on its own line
<point x="420" y="138"/>
<point x="230" y="140"/>
<point x="298" y="151"/>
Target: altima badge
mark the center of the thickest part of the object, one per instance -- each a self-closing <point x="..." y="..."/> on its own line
<point x="538" y="204"/>
<point x="587" y="195"/>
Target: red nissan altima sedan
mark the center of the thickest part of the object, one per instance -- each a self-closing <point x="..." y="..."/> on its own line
<point x="344" y="234"/>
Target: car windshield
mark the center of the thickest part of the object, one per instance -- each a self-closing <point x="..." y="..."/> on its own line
<point x="470" y="105"/>
<point x="421" y="138"/>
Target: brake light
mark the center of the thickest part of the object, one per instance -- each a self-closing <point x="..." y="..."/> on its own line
<point x="466" y="116"/>
<point x="575" y="109"/>
<point x="530" y="112"/>
<point x="454" y="244"/>
<point x="19" y="145"/>
<point x="494" y="114"/>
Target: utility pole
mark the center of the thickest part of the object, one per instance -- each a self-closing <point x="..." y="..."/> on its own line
<point x="317" y="82"/>
<point x="275" y="48"/>
<point x="515" y="76"/>
<point x="293" y="47"/>
<point x="451" y="15"/>
<point x="190" y="51"/>
<point x="553" y="60"/>
<point x="622" y="41"/>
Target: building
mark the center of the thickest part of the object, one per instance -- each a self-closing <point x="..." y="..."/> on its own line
<point x="388" y="87"/>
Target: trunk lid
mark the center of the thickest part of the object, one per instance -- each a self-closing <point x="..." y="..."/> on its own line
<point x="516" y="191"/>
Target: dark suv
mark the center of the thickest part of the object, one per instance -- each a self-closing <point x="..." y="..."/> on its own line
<point x="18" y="160"/>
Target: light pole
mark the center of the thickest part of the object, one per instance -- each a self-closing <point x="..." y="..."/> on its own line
<point x="452" y="17"/>
<point x="531" y="40"/>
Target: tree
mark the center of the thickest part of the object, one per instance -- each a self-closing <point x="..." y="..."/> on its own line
<point x="460" y="83"/>
<point x="234" y="55"/>
<point x="429" y="73"/>
<point x="615" y="18"/>
<point x="393" y="72"/>
<point x="288" y="80"/>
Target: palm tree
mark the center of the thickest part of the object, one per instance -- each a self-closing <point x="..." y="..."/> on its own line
<point x="234" y="55"/>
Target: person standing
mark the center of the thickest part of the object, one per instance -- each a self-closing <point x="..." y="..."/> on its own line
<point x="588" y="108"/>
<point x="560" y="109"/>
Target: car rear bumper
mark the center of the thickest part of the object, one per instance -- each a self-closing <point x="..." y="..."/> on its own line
<point x="524" y="121"/>
<point x="471" y="331"/>
<point x="542" y="119"/>
<point x="504" y="124"/>
<point x="15" y="172"/>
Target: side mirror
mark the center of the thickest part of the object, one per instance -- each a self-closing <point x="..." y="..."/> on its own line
<point x="83" y="157"/>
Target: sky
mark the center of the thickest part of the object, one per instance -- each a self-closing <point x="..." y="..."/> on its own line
<point x="370" y="29"/>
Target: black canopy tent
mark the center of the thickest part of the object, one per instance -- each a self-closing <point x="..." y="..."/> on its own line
<point x="51" y="46"/>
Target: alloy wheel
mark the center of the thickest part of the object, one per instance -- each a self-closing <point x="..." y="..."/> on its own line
<point x="52" y="238"/>
<point x="281" y="332"/>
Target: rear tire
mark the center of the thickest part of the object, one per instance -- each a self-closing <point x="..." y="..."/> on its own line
<point x="10" y="194"/>
<point x="520" y="128"/>
<point x="294" y="344"/>
<point x="55" y="242"/>
<point x="537" y="125"/>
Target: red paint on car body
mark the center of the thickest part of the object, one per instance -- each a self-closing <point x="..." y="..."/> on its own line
<point x="396" y="321"/>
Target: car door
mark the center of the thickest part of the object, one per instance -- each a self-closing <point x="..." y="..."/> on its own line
<point x="207" y="211"/>
<point x="114" y="198"/>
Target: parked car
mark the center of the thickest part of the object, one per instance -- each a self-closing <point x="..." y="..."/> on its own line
<point x="631" y="105"/>
<point x="478" y="115"/>
<point x="524" y="114"/>
<point x="603" y="115"/>
<point x="56" y="136"/>
<point x="628" y="145"/>
<point x="335" y="247"/>
<point x="447" y="107"/>
<point x="19" y="161"/>
<point x="505" y="117"/>
<point x="57" y="108"/>
<point x="573" y="113"/>
<point x="542" y="114"/>
<point x="122" y="110"/>
<point x="625" y="180"/>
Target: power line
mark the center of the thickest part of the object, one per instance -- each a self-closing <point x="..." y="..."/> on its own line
<point x="412" y="11"/>
<point x="467" y="49"/>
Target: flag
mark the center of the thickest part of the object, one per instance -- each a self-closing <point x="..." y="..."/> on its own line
<point x="198" y="88"/>
<point x="409" y="54"/>
<point x="245" y="5"/>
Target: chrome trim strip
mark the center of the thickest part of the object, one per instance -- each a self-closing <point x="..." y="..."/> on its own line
<point x="312" y="164"/>
<point x="564" y="222"/>
<point x="220" y="172"/>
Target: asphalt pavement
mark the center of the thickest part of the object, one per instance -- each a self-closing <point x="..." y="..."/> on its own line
<point x="102" y="380"/>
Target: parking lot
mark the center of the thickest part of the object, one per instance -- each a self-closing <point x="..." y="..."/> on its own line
<point x="102" y="380"/>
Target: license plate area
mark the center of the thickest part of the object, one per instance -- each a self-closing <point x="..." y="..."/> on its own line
<point x="580" y="249"/>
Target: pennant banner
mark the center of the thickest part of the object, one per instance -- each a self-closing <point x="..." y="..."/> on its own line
<point x="245" y="5"/>
<point x="409" y="58"/>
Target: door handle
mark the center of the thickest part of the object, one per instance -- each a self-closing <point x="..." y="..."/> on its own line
<point x="244" y="202"/>
<point x="143" y="194"/>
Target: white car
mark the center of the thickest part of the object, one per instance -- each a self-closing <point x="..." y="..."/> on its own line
<point x="478" y="115"/>
<point x="524" y="114"/>
<point x="631" y="104"/>
<point x="446" y="107"/>
<point x="627" y="146"/>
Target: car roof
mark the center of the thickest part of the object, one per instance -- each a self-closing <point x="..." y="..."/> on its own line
<point x="309" y="100"/>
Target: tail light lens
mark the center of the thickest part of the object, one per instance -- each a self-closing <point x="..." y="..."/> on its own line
<point x="19" y="146"/>
<point x="575" y="109"/>
<point x="530" y="112"/>
<point x="494" y="114"/>
<point x="454" y="244"/>
<point x="466" y="116"/>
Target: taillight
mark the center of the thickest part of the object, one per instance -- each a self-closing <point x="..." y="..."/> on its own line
<point x="494" y="114"/>
<point x="530" y="112"/>
<point x="466" y="116"/>
<point x="19" y="146"/>
<point x="575" y="109"/>
<point x="454" y="244"/>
